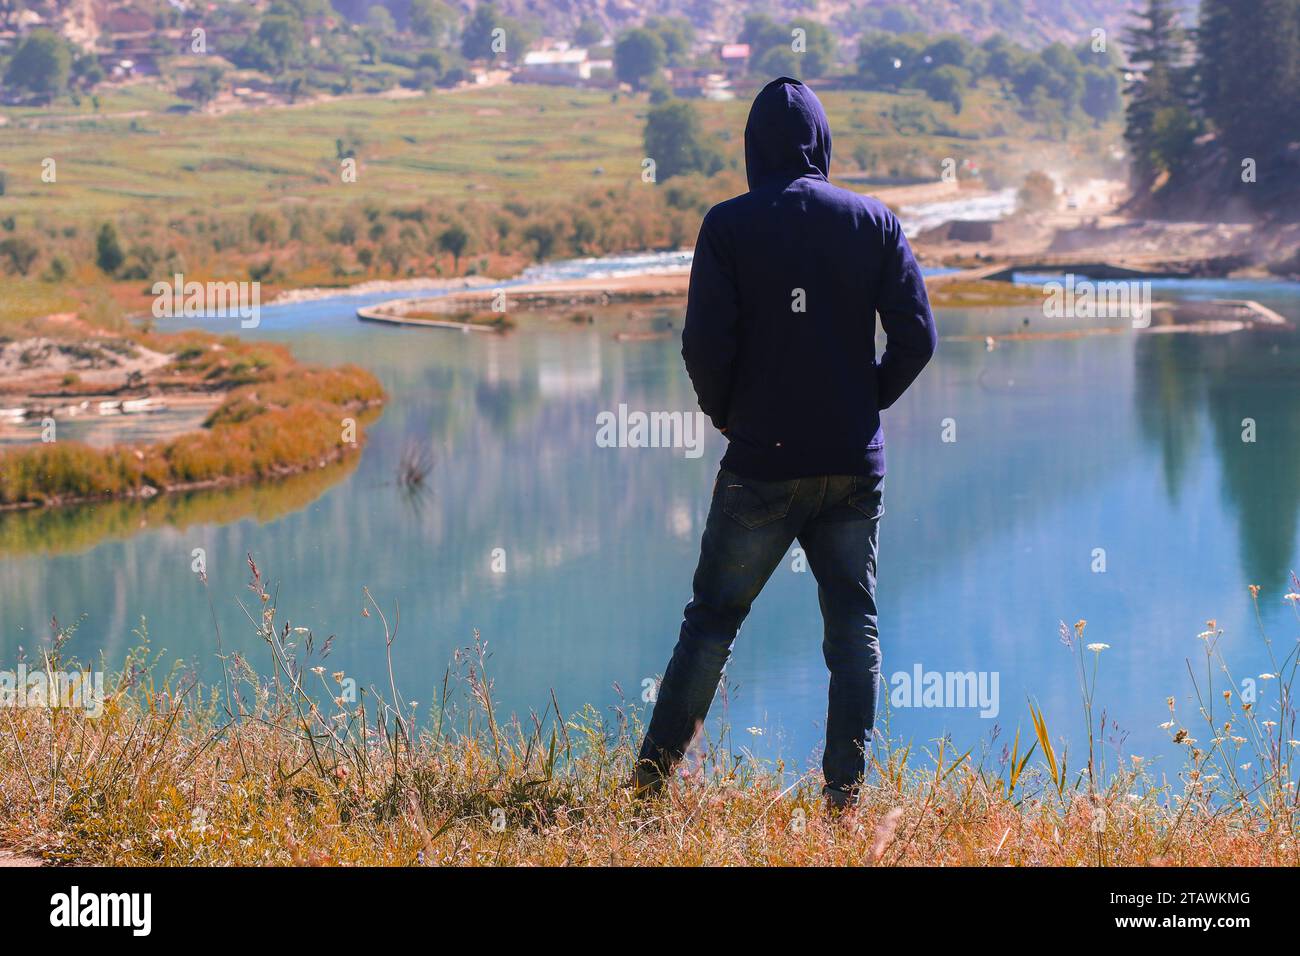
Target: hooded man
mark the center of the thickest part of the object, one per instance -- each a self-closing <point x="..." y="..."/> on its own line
<point x="779" y="343"/>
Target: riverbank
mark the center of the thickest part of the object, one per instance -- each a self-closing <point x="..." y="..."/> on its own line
<point x="263" y="415"/>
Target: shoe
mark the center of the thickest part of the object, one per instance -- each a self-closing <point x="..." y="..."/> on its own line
<point x="838" y="800"/>
<point x="647" y="781"/>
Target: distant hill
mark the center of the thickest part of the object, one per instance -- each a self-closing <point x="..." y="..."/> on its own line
<point x="1032" y="22"/>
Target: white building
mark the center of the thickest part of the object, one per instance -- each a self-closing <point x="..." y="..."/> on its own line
<point x="555" y="66"/>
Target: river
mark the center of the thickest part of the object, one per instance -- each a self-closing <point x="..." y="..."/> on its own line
<point x="1101" y="478"/>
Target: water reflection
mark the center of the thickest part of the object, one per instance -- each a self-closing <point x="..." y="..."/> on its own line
<point x="1242" y="390"/>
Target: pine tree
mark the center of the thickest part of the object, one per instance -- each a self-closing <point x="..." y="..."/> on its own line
<point x="1248" y="70"/>
<point x="1160" y="126"/>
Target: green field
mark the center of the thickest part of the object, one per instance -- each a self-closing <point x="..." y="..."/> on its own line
<point x="488" y="144"/>
<point x="530" y="171"/>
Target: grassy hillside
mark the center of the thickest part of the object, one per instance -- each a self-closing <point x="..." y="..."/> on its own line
<point x="530" y="172"/>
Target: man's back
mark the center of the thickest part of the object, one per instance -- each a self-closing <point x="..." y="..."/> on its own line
<point x="779" y="344"/>
<point x="780" y="325"/>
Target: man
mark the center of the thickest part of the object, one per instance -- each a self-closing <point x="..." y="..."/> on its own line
<point x="779" y="343"/>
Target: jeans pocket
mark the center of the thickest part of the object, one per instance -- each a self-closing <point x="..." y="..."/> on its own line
<point x="757" y="503"/>
<point x="867" y="496"/>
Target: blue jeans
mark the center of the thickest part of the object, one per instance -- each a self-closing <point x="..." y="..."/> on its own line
<point x="751" y="525"/>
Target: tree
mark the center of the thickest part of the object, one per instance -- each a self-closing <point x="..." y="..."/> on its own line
<point x="676" y="142"/>
<point x="886" y="60"/>
<point x="819" y="47"/>
<point x="86" y="71"/>
<point x="589" y="33"/>
<point x="276" y="46"/>
<point x="1037" y="193"/>
<point x="433" y="20"/>
<point x="478" y="38"/>
<point x="950" y="50"/>
<point x="40" y="65"/>
<point x="204" y="87"/>
<point x="1065" y="76"/>
<point x="677" y="33"/>
<point x="945" y="85"/>
<point x="454" y="239"/>
<point x="1101" y="99"/>
<point x="1002" y="58"/>
<point x="108" y="251"/>
<point x="778" y="61"/>
<point x="809" y="54"/>
<point x="638" y="55"/>
<point x="20" y="253"/>
<point x="1247" y="75"/>
<point x="380" y="21"/>
<point x="762" y="33"/>
<point x="1159" y="125"/>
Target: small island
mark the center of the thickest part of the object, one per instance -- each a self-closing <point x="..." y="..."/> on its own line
<point x="216" y="411"/>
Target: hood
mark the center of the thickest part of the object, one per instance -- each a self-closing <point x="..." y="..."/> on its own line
<point x="787" y="134"/>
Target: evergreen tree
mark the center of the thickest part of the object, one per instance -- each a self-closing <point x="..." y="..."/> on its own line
<point x="1160" y="127"/>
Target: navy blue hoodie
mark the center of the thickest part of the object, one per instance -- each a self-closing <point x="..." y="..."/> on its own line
<point x="785" y="286"/>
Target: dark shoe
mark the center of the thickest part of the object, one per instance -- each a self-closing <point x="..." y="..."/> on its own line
<point x="839" y="800"/>
<point x="647" y="781"/>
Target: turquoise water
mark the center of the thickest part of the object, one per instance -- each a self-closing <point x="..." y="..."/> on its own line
<point x="1126" y="443"/>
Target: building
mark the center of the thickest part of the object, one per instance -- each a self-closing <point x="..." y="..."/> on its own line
<point x="701" y="84"/>
<point x="735" y="58"/>
<point x="559" y="66"/>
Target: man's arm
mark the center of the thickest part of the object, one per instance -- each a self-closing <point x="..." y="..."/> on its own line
<point x="709" y="336"/>
<point x="904" y="307"/>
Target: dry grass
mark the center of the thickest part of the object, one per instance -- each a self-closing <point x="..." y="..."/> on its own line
<point x="277" y="418"/>
<point x="277" y="771"/>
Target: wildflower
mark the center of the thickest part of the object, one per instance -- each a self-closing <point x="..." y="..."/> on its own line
<point x="318" y="671"/>
<point x="1292" y="597"/>
<point x="1181" y="736"/>
<point x="1079" y="625"/>
<point x="1270" y="724"/>
<point x="1267" y="676"/>
<point x="1166" y="725"/>
<point x="1205" y="635"/>
<point x="338" y="677"/>
<point x="1065" y="635"/>
<point x="1137" y="761"/>
<point x="1254" y="590"/>
<point x="1245" y="766"/>
<point x="756" y="731"/>
<point x="1170" y="702"/>
<point x="1098" y="648"/>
